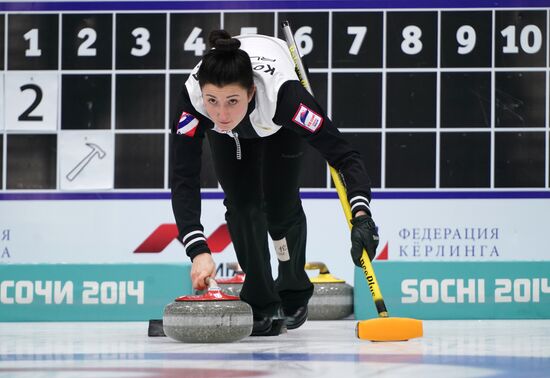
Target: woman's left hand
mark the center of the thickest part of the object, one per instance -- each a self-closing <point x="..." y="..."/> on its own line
<point x="364" y="235"/>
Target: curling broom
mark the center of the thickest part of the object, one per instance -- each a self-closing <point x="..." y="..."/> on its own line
<point x="383" y="328"/>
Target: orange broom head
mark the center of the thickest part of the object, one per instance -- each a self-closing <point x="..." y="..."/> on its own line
<point x="389" y="329"/>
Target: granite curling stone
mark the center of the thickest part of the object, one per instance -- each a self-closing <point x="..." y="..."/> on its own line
<point x="332" y="298"/>
<point x="213" y="317"/>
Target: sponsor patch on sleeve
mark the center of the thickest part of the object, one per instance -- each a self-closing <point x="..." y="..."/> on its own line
<point x="307" y="118"/>
<point x="187" y="125"/>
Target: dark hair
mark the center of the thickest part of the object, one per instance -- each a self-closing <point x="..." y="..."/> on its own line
<point x="225" y="63"/>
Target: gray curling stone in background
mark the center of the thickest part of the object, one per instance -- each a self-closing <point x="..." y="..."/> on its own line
<point x="332" y="297"/>
<point x="213" y="317"/>
<point x="232" y="285"/>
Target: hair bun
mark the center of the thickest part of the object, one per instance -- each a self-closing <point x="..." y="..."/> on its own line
<point x="221" y="40"/>
<point x="227" y="44"/>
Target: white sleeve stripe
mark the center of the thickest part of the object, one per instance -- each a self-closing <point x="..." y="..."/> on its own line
<point x="186" y="237"/>
<point x="356" y="198"/>
<point x="358" y="204"/>
<point x="193" y="242"/>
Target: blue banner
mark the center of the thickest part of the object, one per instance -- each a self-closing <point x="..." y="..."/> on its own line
<point x="458" y="290"/>
<point x="89" y="292"/>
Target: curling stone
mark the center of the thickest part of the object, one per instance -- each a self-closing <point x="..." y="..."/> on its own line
<point x="213" y="317"/>
<point x="232" y="285"/>
<point x="332" y="297"/>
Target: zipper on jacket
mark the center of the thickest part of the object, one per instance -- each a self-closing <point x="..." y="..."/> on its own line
<point x="238" y="145"/>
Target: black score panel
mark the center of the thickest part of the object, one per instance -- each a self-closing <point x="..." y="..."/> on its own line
<point x="31" y="161"/>
<point x="177" y="81"/>
<point x="466" y="39"/>
<point x="2" y="39"/>
<point x="519" y="159"/>
<point x="369" y="146"/>
<point x="357" y="100"/>
<point x="141" y="41"/>
<point x="87" y="41"/>
<point x="520" y="38"/>
<point x="465" y="99"/>
<point x="319" y="86"/>
<point x="520" y="99"/>
<point x="411" y="100"/>
<point x="357" y="39"/>
<point x="85" y="102"/>
<point x="249" y="23"/>
<point x="139" y="101"/>
<point x="410" y="160"/>
<point x="189" y="37"/>
<point x="465" y="160"/>
<point x="139" y="161"/>
<point x="33" y="41"/>
<point x="411" y="39"/>
<point x="311" y="35"/>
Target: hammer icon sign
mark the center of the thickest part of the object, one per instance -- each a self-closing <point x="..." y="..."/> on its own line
<point x="96" y="151"/>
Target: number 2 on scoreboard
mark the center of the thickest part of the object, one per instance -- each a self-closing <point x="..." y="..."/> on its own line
<point x="33" y="103"/>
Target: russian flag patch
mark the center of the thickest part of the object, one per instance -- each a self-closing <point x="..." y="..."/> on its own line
<point x="307" y="118"/>
<point x="187" y="125"/>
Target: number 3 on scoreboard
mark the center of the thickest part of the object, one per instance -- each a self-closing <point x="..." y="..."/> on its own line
<point x="32" y="104"/>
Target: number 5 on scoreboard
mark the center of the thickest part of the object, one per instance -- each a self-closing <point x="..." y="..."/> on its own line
<point x="32" y="104"/>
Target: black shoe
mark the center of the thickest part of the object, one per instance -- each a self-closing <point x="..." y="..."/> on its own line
<point x="295" y="317"/>
<point x="268" y="325"/>
<point x="261" y="325"/>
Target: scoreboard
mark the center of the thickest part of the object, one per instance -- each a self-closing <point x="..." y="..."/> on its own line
<point x="432" y="98"/>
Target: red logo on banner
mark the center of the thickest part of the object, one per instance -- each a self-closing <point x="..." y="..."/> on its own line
<point x="383" y="255"/>
<point x="166" y="233"/>
<point x="217" y="241"/>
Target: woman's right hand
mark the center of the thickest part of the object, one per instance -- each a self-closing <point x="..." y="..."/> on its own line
<point x="203" y="267"/>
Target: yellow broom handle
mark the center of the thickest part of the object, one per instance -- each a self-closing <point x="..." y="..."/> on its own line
<point x="366" y="265"/>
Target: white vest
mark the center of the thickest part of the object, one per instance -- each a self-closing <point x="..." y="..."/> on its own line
<point x="272" y="66"/>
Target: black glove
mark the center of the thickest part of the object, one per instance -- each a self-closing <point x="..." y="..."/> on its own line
<point x="364" y="234"/>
